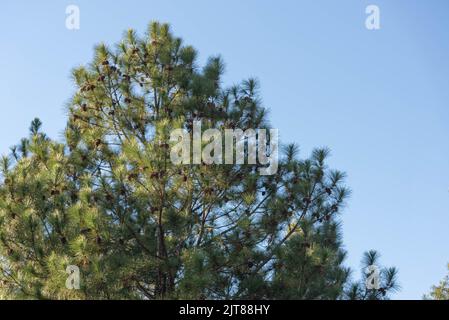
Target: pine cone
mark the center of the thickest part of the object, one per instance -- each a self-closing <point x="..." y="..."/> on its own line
<point x="85" y="231"/>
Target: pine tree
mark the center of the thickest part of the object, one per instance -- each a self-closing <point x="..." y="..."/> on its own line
<point x="108" y="200"/>
<point x="440" y="291"/>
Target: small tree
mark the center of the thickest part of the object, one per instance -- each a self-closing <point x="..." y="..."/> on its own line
<point x="441" y="291"/>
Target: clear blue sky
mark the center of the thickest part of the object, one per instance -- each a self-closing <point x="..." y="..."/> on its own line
<point x="378" y="99"/>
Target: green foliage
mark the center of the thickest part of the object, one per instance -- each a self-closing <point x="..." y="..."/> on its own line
<point x="108" y="200"/>
<point x="441" y="291"/>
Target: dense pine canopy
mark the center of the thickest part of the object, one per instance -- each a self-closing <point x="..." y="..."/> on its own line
<point x="109" y="200"/>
